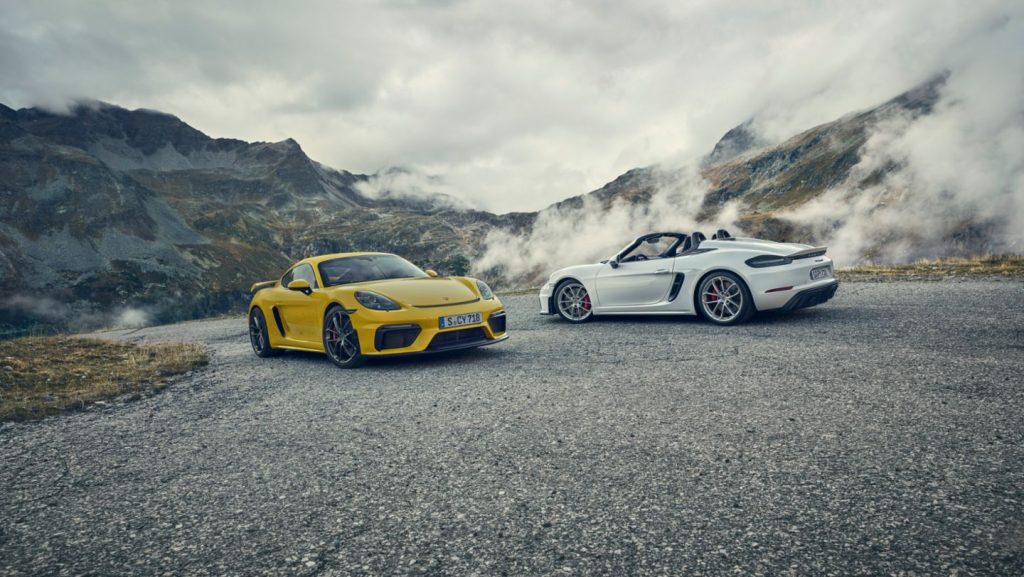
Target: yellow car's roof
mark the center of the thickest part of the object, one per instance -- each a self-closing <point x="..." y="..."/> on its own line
<point x="315" y="260"/>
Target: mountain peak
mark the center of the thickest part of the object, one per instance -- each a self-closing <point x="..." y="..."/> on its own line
<point x="921" y="98"/>
<point x="8" y="113"/>
<point x="89" y="123"/>
<point x="289" y="144"/>
<point x="738" y="140"/>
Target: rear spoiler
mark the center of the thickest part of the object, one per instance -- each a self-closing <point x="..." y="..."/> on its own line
<point x="809" y="252"/>
<point x="262" y="285"/>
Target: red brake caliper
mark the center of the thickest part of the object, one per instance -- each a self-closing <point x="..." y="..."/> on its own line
<point x="586" y="302"/>
<point x="714" y="295"/>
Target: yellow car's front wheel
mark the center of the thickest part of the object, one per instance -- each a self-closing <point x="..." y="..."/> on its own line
<point x="341" y="342"/>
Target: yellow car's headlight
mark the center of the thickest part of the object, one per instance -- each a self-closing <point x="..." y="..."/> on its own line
<point x="377" y="302"/>
<point x="485" y="291"/>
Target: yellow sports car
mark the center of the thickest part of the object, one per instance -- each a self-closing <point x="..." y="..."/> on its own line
<point x="358" y="305"/>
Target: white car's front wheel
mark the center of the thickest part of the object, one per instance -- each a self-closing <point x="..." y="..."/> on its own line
<point x="573" y="302"/>
<point x="723" y="299"/>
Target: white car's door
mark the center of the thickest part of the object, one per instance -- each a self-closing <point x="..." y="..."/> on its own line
<point x="634" y="283"/>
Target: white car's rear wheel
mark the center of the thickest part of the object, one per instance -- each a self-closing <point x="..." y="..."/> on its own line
<point x="724" y="299"/>
<point x="573" y="302"/>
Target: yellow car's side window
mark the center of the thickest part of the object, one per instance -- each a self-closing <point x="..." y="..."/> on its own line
<point x="304" y="271"/>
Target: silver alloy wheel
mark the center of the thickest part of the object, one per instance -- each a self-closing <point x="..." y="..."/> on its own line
<point x="722" y="299"/>
<point x="257" y="336"/>
<point x="574" y="302"/>
<point x="341" y="340"/>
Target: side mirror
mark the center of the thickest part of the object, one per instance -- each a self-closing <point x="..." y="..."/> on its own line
<point x="614" y="261"/>
<point x="301" y="285"/>
<point x="431" y="273"/>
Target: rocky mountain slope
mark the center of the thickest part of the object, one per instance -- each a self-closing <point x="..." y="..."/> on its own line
<point x="769" y="178"/>
<point x="106" y="210"/>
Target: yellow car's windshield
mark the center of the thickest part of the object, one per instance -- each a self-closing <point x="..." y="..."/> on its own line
<point x="352" y="269"/>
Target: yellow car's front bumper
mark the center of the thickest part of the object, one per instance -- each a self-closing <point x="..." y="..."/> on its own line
<point x="416" y="329"/>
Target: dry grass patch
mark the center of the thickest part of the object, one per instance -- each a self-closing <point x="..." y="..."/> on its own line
<point x="997" y="266"/>
<point x="44" y="375"/>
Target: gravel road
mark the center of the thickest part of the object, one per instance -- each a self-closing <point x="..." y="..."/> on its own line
<point x="881" y="433"/>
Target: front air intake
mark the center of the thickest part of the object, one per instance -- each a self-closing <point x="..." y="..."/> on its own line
<point x="396" y="336"/>
<point x="497" y="322"/>
<point x="457" y="339"/>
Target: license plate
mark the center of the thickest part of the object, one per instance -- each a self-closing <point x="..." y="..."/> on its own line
<point x="821" y="272"/>
<point x="452" y="321"/>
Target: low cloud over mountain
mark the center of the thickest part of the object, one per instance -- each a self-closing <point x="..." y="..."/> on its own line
<point x="517" y="107"/>
<point x="106" y="209"/>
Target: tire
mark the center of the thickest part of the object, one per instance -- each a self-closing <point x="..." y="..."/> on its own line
<point x="259" y="338"/>
<point x="341" y="341"/>
<point x="572" y="301"/>
<point x="736" y="308"/>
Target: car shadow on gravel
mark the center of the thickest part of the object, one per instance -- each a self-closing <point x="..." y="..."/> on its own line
<point x="477" y="355"/>
<point x="761" y="318"/>
<point x="790" y="317"/>
<point x="629" y="319"/>
<point x="467" y="356"/>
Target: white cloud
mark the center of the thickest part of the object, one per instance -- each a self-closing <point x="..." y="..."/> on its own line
<point x="132" y="318"/>
<point x="402" y="184"/>
<point x="517" y="104"/>
<point x="952" y="181"/>
<point x="564" y="236"/>
<point x="947" y="174"/>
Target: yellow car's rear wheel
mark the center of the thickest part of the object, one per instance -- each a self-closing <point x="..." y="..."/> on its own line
<point x="258" y="335"/>
<point x="341" y="342"/>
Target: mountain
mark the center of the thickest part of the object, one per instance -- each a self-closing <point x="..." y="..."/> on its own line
<point x="768" y="178"/>
<point x="771" y="179"/>
<point x="763" y="180"/>
<point x="849" y="183"/>
<point x="106" y="208"/>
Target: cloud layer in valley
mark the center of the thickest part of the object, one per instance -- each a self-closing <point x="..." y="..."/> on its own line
<point x="952" y="182"/>
<point x="953" y="179"/>
<point x="518" y="104"/>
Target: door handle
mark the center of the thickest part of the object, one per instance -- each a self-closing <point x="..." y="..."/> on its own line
<point x="661" y="271"/>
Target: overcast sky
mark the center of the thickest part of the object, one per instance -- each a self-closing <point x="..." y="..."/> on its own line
<point x="514" y="104"/>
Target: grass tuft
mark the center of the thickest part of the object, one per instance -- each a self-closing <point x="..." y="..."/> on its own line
<point x="45" y="375"/>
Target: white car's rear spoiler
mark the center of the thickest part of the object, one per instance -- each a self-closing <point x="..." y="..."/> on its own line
<point x="809" y="252"/>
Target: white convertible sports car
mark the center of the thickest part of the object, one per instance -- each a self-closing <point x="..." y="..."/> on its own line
<point x="724" y="279"/>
